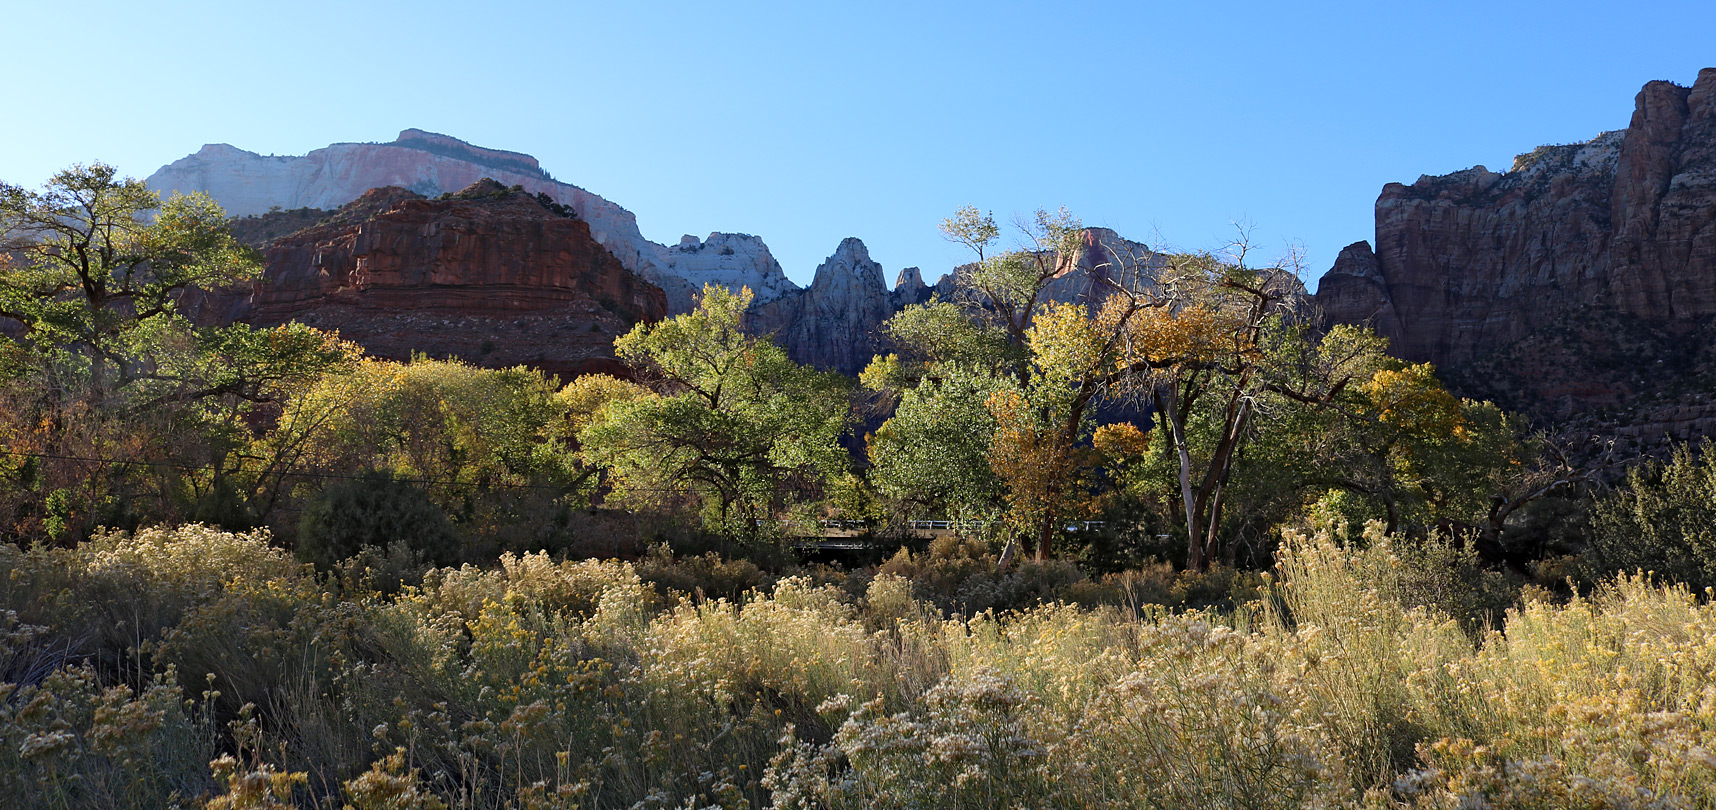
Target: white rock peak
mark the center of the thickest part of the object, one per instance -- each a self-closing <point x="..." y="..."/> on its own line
<point x="732" y="260"/>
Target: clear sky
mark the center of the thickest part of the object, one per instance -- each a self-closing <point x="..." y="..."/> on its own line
<point x="805" y="122"/>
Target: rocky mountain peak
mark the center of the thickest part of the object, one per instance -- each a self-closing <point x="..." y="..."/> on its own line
<point x="730" y="260"/>
<point x="909" y="282"/>
<point x="832" y="323"/>
<point x="850" y="269"/>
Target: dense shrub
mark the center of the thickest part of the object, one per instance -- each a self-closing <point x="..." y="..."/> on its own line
<point x="374" y="511"/>
<point x="962" y="576"/>
<point x="1663" y="520"/>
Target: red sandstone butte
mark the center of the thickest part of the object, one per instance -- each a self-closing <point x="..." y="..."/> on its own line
<point x="492" y="276"/>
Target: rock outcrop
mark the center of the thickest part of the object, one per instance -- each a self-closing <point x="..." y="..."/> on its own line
<point x="490" y="275"/>
<point x="731" y="260"/>
<point x="1105" y="260"/>
<point x="1581" y="279"/>
<point x="247" y="184"/>
<point x="834" y="322"/>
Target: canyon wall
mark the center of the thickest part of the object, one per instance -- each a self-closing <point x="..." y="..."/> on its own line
<point x="1580" y="282"/>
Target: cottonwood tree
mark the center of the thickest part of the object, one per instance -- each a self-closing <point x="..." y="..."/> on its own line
<point x="1218" y="351"/>
<point x="1040" y="364"/>
<point x="933" y="453"/>
<point x="731" y="423"/>
<point x="118" y="408"/>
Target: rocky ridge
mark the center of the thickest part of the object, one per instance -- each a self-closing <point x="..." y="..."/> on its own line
<point x="491" y="275"/>
<point x="1580" y="284"/>
<point x="353" y="268"/>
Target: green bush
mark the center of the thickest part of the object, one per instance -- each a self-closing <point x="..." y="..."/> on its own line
<point x="1663" y="519"/>
<point x="374" y="511"/>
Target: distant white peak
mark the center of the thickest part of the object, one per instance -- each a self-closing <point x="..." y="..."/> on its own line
<point x="221" y="150"/>
<point x="853" y="249"/>
<point x="850" y="261"/>
<point x="732" y="260"/>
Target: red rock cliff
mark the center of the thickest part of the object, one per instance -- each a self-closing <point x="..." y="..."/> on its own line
<point x="493" y="276"/>
<point x="1582" y="278"/>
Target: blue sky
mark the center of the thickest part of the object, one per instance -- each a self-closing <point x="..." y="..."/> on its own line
<point x="807" y="122"/>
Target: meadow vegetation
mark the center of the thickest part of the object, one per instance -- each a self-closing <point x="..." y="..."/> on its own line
<point x="250" y="568"/>
<point x="1360" y="674"/>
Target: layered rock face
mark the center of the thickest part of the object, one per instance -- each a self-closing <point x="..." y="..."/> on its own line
<point x="492" y="276"/>
<point x="246" y="184"/>
<point x="1583" y="278"/>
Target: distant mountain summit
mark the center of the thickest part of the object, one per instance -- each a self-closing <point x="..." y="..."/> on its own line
<point x="247" y="184"/>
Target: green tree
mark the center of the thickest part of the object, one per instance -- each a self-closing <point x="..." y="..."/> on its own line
<point x="958" y="375"/>
<point x="98" y="279"/>
<point x="374" y="510"/>
<point x="117" y="409"/>
<point x="933" y="453"/>
<point x="489" y="448"/>
<point x="733" y="426"/>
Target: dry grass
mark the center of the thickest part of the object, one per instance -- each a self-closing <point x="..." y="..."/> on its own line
<point x="1375" y="677"/>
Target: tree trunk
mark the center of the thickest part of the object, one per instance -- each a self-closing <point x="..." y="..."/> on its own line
<point x="1177" y="430"/>
<point x="1045" y="537"/>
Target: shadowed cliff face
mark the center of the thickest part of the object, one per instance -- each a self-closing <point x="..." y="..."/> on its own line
<point x="492" y="276"/>
<point x="1567" y="275"/>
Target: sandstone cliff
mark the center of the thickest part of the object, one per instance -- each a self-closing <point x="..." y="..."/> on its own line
<point x="493" y="276"/>
<point x="246" y="184"/>
<point x="1580" y="282"/>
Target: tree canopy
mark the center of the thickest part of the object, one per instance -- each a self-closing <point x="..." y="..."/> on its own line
<point x="730" y="424"/>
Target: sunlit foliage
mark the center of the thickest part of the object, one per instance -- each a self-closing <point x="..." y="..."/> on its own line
<point x="732" y="424"/>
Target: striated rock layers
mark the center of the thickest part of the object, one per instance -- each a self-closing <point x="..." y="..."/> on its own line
<point x="1581" y="281"/>
<point x="248" y="184"/>
<point x="492" y="276"/>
